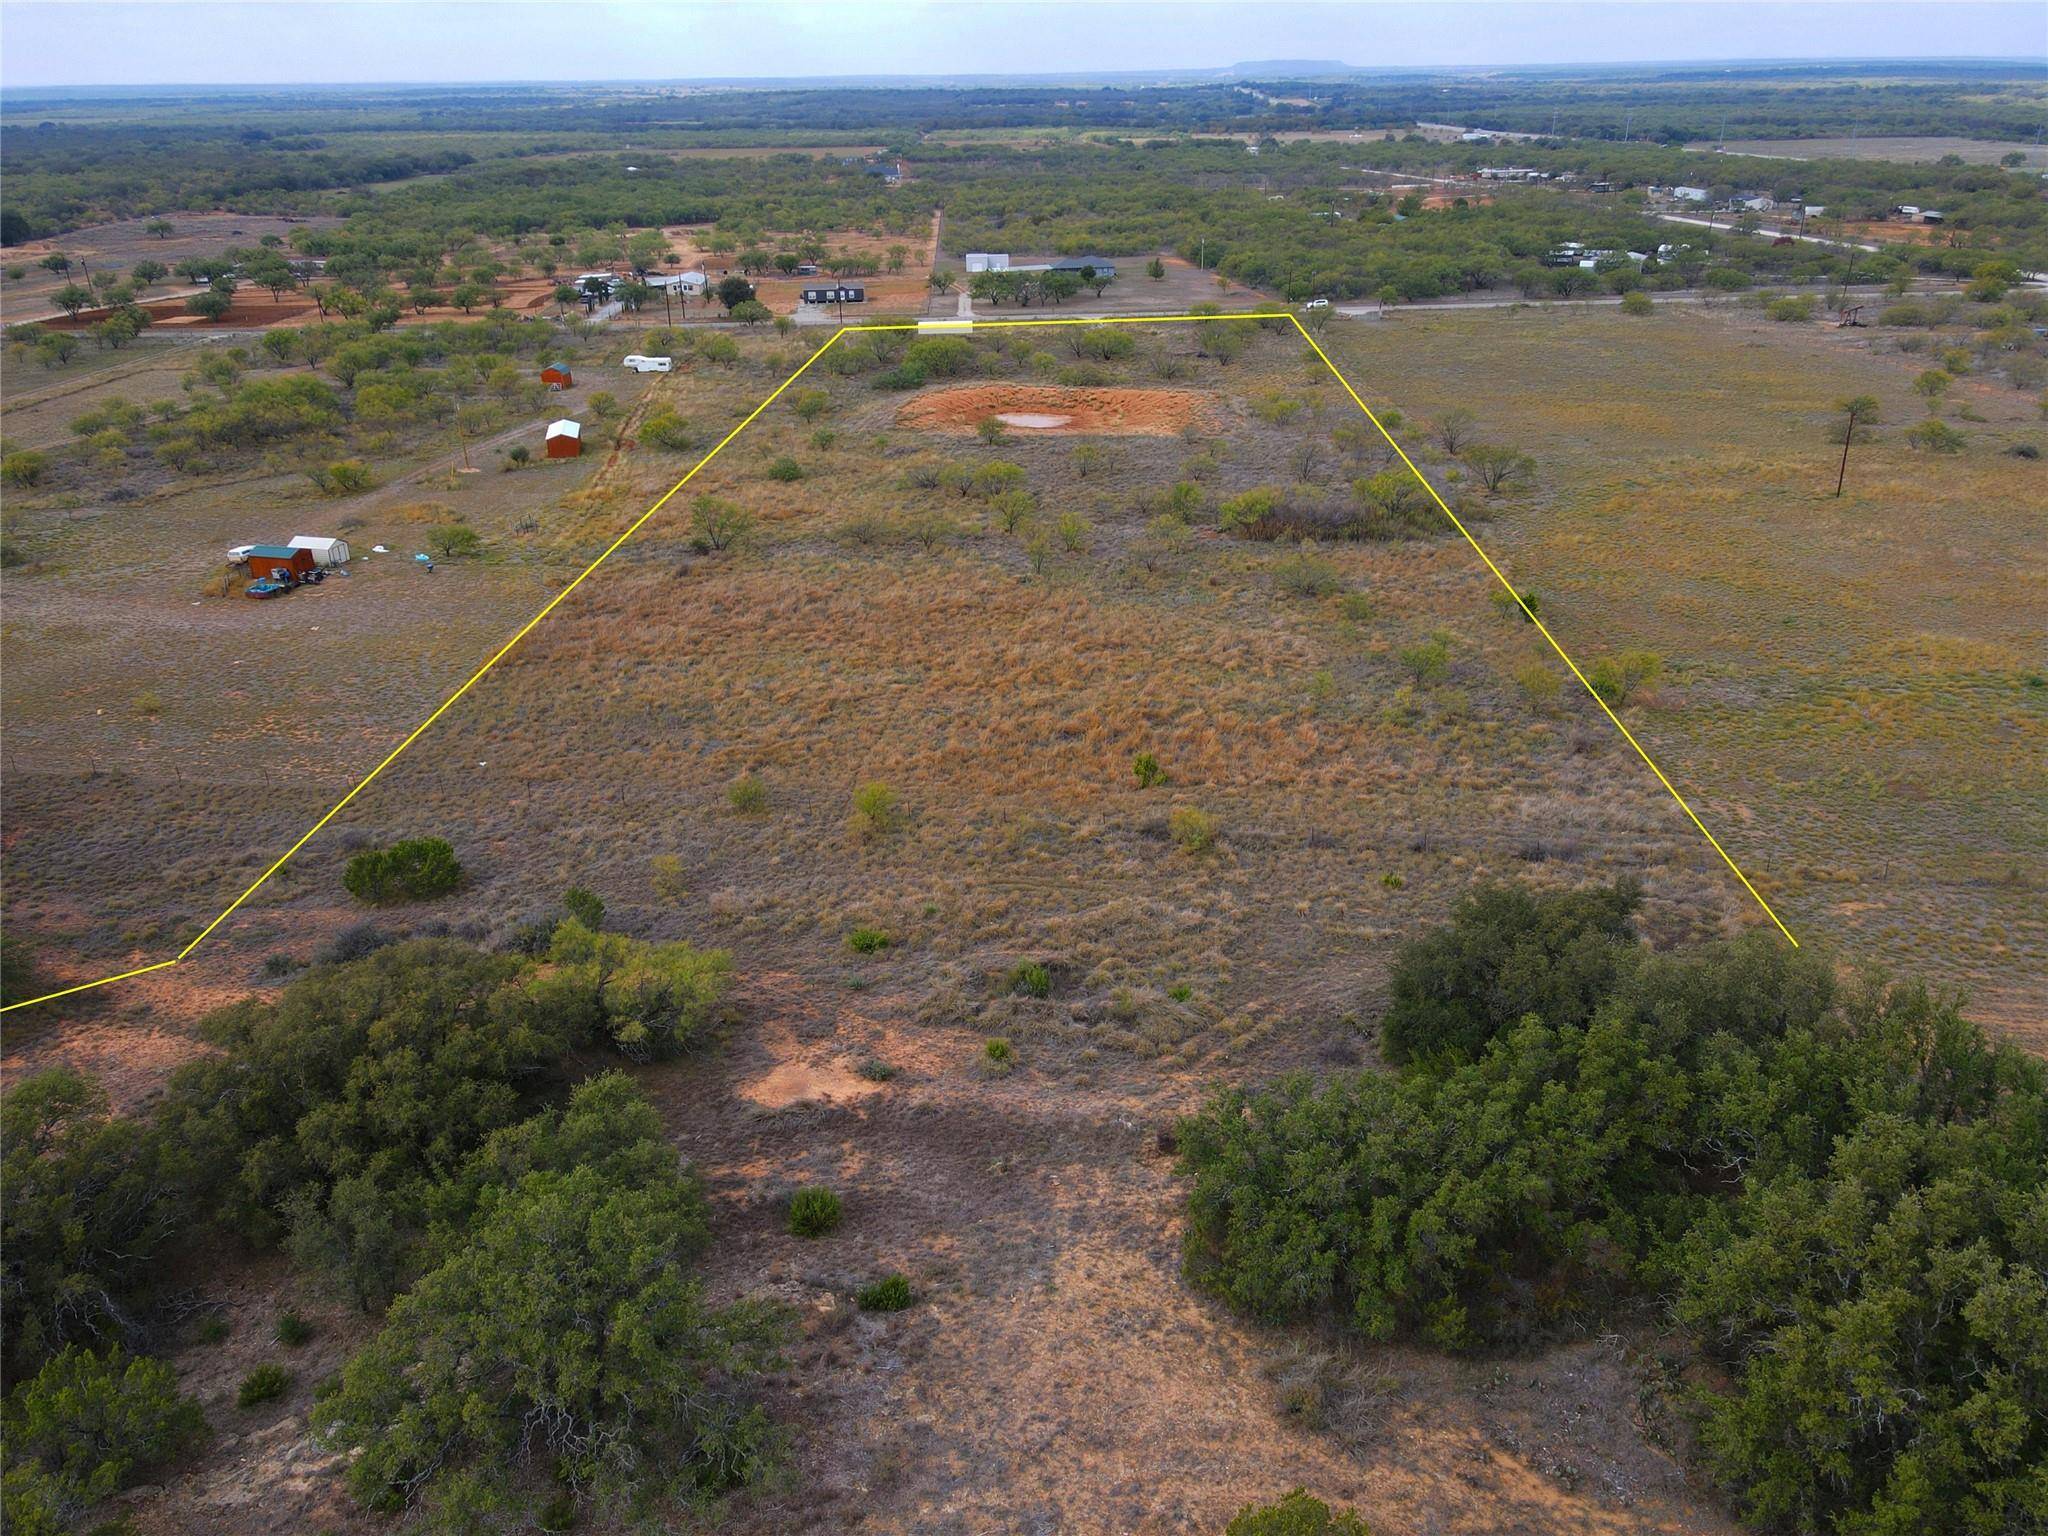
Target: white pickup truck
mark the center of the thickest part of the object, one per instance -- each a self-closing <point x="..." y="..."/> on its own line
<point x="640" y="364"/>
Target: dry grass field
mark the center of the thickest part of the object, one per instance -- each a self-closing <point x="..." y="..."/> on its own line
<point x="1846" y="700"/>
<point x="1855" y="695"/>
<point x="1911" y="151"/>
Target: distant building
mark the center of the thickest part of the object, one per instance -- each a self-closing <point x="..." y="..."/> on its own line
<point x="842" y="293"/>
<point x="988" y="261"/>
<point x="565" y="439"/>
<point x="1103" y="266"/>
<point x="1691" y="194"/>
<point x="557" y="376"/>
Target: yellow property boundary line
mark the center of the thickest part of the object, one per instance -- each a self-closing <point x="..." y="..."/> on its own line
<point x="956" y="327"/>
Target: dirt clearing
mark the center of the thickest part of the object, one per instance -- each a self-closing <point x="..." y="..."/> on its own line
<point x="1044" y="409"/>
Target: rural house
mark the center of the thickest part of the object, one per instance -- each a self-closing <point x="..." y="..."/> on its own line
<point x="1103" y="266"/>
<point x="556" y="375"/>
<point x="565" y="439"/>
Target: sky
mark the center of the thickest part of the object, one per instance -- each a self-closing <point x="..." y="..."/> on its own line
<point x="165" y="42"/>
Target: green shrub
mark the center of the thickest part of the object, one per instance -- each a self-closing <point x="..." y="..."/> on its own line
<point x="1027" y="978"/>
<point x="565" y="1327"/>
<point x="902" y="376"/>
<point x="306" y="1121"/>
<point x="587" y="907"/>
<point x="1636" y="303"/>
<point x="785" y="469"/>
<point x="1834" y="1183"/>
<point x="293" y="1330"/>
<point x="1507" y="952"/>
<point x="86" y="1426"/>
<point x="1305" y="574"/>
<point x="1298" y="1514"/>
<point x="1193" y="831"/>
<point x="875" y="1070"/>
<point x="1795" y="307"/>
<point x="999" y="1052"/>
<point x="813" y="1212"/>
<point x="717" y="524"/>
<point x="995" y="477"/>
<point x="875" y="810"/>
<point x="747" y="795"/>
<point x="1540" y="685"/>
<point x="651" y="1001"/>
<point x="1146" y="770"/>
<point x="891" y="1293"/>
<point x="24" y="468"/>
<point x="91" y="1203"/>
<point x="1617" y="678"/>
<point x="867" y="941"/>
<point x="1427" y="661"/>
<point x="664" y="429"/>
<point x="345" y="478"/>
<point x="453" y="541"/>
<point x="262" y="1385"/>
<point x="1936" y="437"/>
<point x="671" y="881"/>
<point x="416" y="869"/>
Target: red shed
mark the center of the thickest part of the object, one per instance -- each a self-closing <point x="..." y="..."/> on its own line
<point x="556" y="375"/>
<point x="565" y="439"/>
<point x="265" y="558"/>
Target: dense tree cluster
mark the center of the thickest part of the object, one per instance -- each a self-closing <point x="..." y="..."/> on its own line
<point x="1839" y="1187"/>
<point x="396" y="1120"/>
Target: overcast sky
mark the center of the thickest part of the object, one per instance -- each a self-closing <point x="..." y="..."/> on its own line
<point x="296" y="41"/>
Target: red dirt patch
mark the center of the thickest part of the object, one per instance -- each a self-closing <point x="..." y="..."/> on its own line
<point x="1047" y="410"/>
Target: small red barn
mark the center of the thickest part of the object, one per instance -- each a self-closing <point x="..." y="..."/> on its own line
<point x="556" y="375"/>
<point x="265" y="559"/>
<point x="565" y="439"/>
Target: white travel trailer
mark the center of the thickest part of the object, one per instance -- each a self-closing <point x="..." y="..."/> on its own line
<point x="640" y="364"/>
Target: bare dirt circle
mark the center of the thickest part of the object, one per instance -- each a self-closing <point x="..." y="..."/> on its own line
<point x="1047" y="409"/>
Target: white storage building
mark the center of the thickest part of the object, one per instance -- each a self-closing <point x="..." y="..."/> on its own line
<point x="988" y="261"/>
<point x="326" y="551"/>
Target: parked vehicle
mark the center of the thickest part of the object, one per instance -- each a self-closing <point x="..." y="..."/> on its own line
<point x="1317" y="304"/>
<point x="640" y="364"/>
